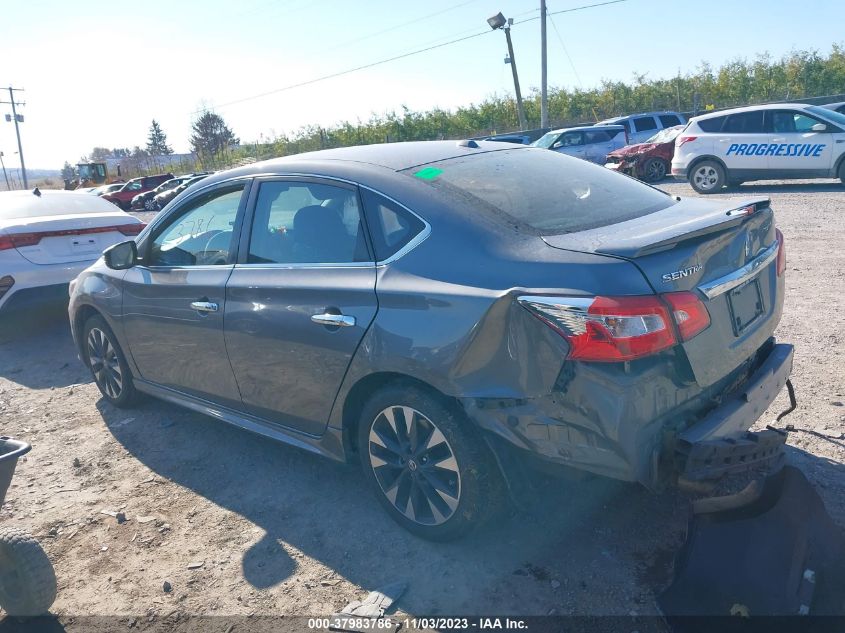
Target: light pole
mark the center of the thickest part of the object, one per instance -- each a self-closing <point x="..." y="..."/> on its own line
<point x="498" y="21"/>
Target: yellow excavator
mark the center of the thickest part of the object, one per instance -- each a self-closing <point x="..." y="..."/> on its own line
<point x="92" y="175"/>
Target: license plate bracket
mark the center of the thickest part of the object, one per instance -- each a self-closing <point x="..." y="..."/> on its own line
<point x="746" y="305"/>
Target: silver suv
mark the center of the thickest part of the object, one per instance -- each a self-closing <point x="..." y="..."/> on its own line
<point x="640" y="127"/>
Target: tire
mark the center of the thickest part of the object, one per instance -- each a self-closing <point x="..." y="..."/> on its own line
<point x="27" y="579"/>
<point x="708" y="176"/>
<point x="842" y="172"/>
<point x="150" y="205"/>
<point x="453" y="456"/>
<point x="654" y="170"/>
<point x="107" y="363"/>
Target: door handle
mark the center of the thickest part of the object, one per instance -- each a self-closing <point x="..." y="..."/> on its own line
<point x="204" y="306"/>
<point x="779" y="140"/>
<point x="339" y="320"/>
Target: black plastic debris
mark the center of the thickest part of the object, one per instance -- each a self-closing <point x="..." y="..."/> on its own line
<point x="771" y="550"/>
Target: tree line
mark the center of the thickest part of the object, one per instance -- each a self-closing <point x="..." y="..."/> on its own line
<point x="795" y="76"/>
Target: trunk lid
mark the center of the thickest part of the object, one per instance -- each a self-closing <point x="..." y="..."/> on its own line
<point x="694" y="245"/>
<point x="60" y="239"/>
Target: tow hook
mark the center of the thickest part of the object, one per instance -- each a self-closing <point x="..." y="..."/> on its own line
<point x="793" y="403"/>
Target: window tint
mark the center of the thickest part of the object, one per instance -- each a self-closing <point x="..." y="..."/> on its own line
<point x="669" y="120"/>
<point x="744" y="123"/>
<point x="544" y="191"/>
<point x="791" y="121"/>
<point x="132" y="186"/>
<point x="571" y="139"/>
<point x="645" y="123"/>
<point x="597" y="136"/>
<point x="391" y="226"/>
<point x="202" y="233"/>
<point x="306" y="223"/>
<point x="712" y="125"/>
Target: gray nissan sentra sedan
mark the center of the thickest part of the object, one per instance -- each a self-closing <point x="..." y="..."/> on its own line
<point x="450" y="313"/>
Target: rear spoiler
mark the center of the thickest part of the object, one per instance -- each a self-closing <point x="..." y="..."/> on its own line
<point x="688" y="229"/>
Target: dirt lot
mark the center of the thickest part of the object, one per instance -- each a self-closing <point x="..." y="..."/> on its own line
<point x="239" y="525"/>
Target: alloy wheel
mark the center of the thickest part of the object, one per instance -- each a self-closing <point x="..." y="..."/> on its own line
<point x="414" y="465"/>
<point x="656" y="170"/>
<point x="706" y="177"/>
<point x="149" y="204"/>
<point x="102" y="358"/>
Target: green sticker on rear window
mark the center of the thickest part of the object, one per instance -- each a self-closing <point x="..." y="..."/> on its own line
<point x="428" y="173"/>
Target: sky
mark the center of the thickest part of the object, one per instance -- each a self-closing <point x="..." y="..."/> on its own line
<point x="97" y="73"/>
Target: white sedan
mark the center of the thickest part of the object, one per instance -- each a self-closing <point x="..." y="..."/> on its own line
<point x="48" y="237"/>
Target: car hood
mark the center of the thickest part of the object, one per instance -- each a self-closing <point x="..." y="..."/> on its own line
<point x="636" y="150"/>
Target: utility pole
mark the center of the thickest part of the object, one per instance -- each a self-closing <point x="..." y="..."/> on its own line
<point x="17" y="130"/>
<point x="520" y="111"/>
<point x="544" y="89"/>
<point x="5" y="175"/>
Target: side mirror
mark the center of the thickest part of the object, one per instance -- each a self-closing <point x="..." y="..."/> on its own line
<point x="121" y="256"/>
<point x="819" y="127"/>
<point x="557" y="144"/>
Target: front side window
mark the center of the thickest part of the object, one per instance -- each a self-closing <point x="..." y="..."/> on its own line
<point x="547" y="140"/>
<point x="306" y="223"/>
<point x="645" y="123"/>
<point x="669" y="120"/>
<point x="133" y="185"/>
<point x="202" y="233"/>
<point x="789" y="121"/>
<point x="571" y="139"/>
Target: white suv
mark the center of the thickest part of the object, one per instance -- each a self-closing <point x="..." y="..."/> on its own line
<point x="765" y="142"/>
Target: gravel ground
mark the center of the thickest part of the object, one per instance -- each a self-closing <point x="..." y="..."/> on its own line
<point x="238" y="525"/>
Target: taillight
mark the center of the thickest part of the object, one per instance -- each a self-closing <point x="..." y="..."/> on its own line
<point x="131" y="229"/>
<point x="689" y="313"/>
<point x="685" y="139"/>
<point x="610" y="329"/>
<point x="19" y="240"/>
<point x="781" y="260"/>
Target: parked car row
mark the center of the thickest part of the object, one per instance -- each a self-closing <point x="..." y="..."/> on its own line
<point x="644" y="145"/>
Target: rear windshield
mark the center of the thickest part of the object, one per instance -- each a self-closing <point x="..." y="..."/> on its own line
<point x="546" y="191"/>
<point x="25" y="204"/>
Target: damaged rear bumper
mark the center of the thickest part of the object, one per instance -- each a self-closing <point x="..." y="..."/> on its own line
<point x="643" y="427"/>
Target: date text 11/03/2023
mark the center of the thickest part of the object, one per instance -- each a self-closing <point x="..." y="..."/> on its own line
<point x="419" y="623"/>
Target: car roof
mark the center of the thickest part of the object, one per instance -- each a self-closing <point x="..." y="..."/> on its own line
<point x="754" y="108"/>
<point x="833" y="106"/>
<point x="628" y="116"/>
<point x="52" y="202"/>
<point x="390" y="156"/>
<point x="579" y="128"/>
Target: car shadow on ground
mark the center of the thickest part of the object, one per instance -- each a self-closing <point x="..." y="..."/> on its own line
<point x="37" y="351"/>
<point x="608" y="531"/>
<point x="788" y="187"/>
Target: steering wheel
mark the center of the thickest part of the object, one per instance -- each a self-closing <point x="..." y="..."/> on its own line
<point x="227" y="235"/>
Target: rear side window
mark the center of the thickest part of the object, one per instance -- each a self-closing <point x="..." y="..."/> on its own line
<point x="669" y="120"/>
<point x="712" y="125"/>
<point x="542" y="192"/>
<point x="645" y="123"/>
<point x="599" y="136"/>
<point x="391" y="226"/>
<point x="744" y="123"/>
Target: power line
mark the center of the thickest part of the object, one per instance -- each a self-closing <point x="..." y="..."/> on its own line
<point x="563" y="46"/>
<point x="400" y="56"/>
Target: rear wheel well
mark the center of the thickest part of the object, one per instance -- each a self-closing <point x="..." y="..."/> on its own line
<point x="363" y="389"/>
<point x="837" y="173"/>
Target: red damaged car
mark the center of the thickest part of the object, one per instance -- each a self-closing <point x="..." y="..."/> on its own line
<point x="649" y="161"/>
